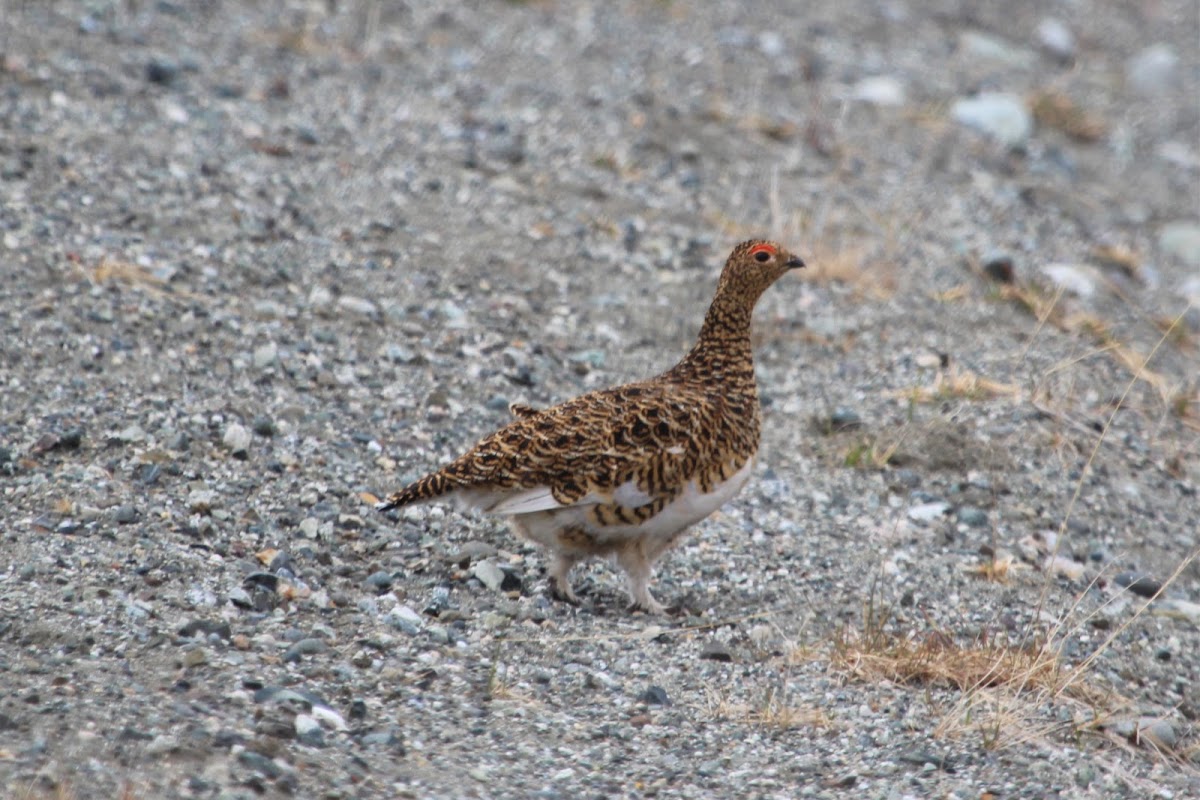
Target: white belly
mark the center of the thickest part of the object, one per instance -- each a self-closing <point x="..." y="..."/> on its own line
<point x="688" y="508"/>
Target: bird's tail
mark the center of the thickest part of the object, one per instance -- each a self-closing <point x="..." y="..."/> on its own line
<point x="427" y="488"/>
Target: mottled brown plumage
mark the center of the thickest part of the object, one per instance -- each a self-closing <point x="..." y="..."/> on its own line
<point x="624" y="471"/>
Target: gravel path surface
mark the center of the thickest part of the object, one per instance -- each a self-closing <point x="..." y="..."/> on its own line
<point x="264" y="261"/>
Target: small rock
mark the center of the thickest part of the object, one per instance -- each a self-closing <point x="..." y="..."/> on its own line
<point x="132" y="435"/>
<point x="357" y="305"/>
<point x="1182" y="241"/>
<point x="405" y="619"/>
<point x="162" y="71"/>
<point x="845" y="419"/>
<point x="655" y="696"/>
<point x="472" y="551"/>
<point x="1153" y="69"/>
<point x="259" y="763"/>
<point x="1139" y="583"/>
<point x="267" y="581"/>
<point x="320" y="297"/>
<point x="928" y="512"/>
<point x="879" y="90"/>
<point x="1149" y="731"/>
<point x="263" y="426"/>
<point x="1063" y="567"/>
<point x="201" y="501"/>
<point x="991" y="48"/>
<point x="237" y="439"/>
<point x="70" y="439"/>
<point x="1056" y="39"/>
<point x="308" y="730"/>
<point x="148" y="474"/>
<point x="265" y="355"/>
<point x="304" y="647"/>
<point x="489" y="574"/>
<point x="1000" y="268"/>
<point x="1175" y="608"/>
<point x="716" y="651"/>
<point x="973" y="517"/>
<point x="195" y="657"/>
<point x="1078" y="280"/>
<point x="1000" y="115"/>
<point x="240" y="597"/>
<point x="125" y="515"/>
<point x="205" y="628"/>
<point x="380" y="582"/>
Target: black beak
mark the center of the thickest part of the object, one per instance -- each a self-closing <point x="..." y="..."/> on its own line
<point x="794" y="263"/>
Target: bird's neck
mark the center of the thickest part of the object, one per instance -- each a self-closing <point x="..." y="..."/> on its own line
<point x="722" y="351"/>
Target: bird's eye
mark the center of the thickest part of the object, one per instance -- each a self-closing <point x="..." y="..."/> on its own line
<point x="762" y="256"/>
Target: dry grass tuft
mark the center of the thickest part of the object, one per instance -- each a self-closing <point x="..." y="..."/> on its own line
<point x="959" y="383"/>
<point x="871" y="454"/>
<point x="771" y="711"/>
<point x="998" y="569"/>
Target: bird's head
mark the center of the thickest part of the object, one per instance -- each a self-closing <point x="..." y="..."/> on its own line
<point x="756" y="264"/>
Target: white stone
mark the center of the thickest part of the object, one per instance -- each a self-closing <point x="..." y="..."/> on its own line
<point x="1000" y="115"/>
<point x="880" y="90"/>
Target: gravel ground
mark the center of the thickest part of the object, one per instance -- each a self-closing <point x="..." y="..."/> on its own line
<point x="264" y="261"/>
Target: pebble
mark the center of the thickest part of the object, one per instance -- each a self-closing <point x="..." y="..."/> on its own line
<point x="1181" y="240"/>
<point x="1139" y="583"/>
<point x="239" y="597"/>
<point x="1063" y="567"/>
<point x="132" y="435"/>
<point x="305" y="647"/>
<point x="380" y="582"/>
<point x="357" y="305"/>
<point x="999" y="267"/>
<point x="147" y="474"/>
<point x="1074" y="279"/>
<point x="655" y="696"/>
<point x="265" y="356"/>
<point x="1174" y="608"/>
<point x="125" y="515"/>
<point x="879" y="90"/>
<point x="1150" y="731"/>
<point x="991" y="48"/>
<point x="308" y="730"/>
<point x="263" y="426"/>
<point x="845" y="419"/>
<point x="973" y="517"/>
<point x="320" y="298"/>
<point x="1153" y="69"/>
<point x="489" y="574"/>
<point x="1000" y="115"/>
<point x="205" y="628"/>
<point x="195" y="657"/>
<point x="928" y="512"/>
<point x="405" y="619"/>
<point x="472" y="551"/>
<point x="161" y="71"/>
<point x="1056" y="39"/>
<point x="716" y="651"/>
<point x="237" y="439"/>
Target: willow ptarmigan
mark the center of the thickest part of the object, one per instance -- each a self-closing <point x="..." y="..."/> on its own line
<point x="625" y="471"/>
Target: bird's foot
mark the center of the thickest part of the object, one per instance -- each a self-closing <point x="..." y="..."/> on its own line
<point x="561" y="590"/>
<point x="648" y="605"/>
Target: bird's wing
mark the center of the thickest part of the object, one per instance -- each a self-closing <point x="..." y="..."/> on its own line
<point x="625" y="446"/>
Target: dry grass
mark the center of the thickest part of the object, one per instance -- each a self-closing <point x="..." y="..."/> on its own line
<point x="959" y="383"/>
<point x="1004" y="683"/>
<point x="772" y="710"/>
<point x="871" y="453"/>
